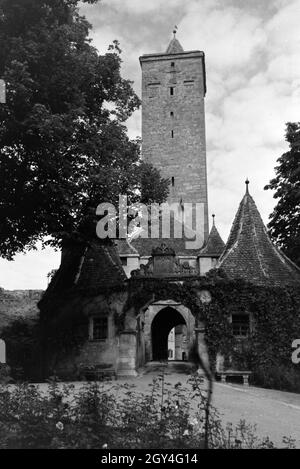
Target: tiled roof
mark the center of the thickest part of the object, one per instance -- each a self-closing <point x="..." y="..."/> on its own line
<point x="124" y="247"/>
<point x="145" y="246"/>
<point x="250" y="254"/>
<point x="90" y="268"/>
<point x="214" y="245"/>
<point x="100" y="268"/>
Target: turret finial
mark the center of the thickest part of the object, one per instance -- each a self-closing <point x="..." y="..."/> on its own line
<point x="174" y="47"/>
<point x="247" y="185"/>
<point x="213" y="217"/>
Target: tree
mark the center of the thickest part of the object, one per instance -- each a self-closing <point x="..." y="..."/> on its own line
<point x="284" y="222"/>
<point x="63" y="142"/>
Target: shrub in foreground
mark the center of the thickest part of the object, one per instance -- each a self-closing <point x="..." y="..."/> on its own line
<point x="99" y="415"/>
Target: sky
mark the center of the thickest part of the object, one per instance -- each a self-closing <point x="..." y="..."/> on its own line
<point x="252" y="58"/>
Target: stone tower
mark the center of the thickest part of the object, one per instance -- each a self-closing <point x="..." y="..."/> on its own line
<point x="173" y="121"/>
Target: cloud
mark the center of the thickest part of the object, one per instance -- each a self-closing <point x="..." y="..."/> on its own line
<point x="141" y="7"/>
<point x="28" y="271"/>
<point x="229" y="37"/>
<point x="253" y="77"/>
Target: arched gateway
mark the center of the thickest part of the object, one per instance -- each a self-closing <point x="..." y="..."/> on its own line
<point x="163" y="323"/>
<point x="159" y="320"/>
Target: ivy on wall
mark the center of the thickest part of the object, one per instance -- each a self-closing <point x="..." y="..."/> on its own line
<point x="275" y="314"/>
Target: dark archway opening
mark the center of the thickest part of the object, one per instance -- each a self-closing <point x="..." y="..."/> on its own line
<point x="162" y="324"/>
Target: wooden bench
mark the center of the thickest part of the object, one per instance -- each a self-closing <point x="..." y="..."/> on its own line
<point x="244" y="374"/>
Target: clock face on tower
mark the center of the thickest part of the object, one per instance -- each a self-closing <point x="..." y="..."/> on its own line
<point x="204" y="296"/>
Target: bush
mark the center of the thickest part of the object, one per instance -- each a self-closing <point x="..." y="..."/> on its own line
<point x="5" y="374"/>
<point x="285" y="378"/>
<point x="92" y="417"/>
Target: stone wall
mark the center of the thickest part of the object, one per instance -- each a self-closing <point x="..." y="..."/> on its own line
<point x="92" y="353"/>
<point x="118" y="350"/>
<point x="18" y="304"/>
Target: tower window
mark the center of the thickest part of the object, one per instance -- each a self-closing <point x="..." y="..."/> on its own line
<point x="172" y="133"/>
<point x="172" y="114"/>
<point x="173" y="181"/>
<point x="172" y="64"/>
<point x="172" y="91"/>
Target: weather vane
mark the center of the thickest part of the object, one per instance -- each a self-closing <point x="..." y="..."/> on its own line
<point x="175" y="30"/>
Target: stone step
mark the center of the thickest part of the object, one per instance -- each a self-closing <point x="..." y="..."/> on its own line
<point x="169" y="367"/>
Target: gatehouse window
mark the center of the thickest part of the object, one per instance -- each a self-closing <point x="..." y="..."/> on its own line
<point x="99" y="328"/>
<point x="171" y="90"/>
<point x="173" y="181"/>
<point x="124" y="260"/>
<point x="240" y="325"/>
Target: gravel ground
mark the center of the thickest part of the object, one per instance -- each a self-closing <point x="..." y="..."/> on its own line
<point x="276" y="413"/>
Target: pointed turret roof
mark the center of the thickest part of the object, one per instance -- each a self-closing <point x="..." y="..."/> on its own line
<point x="174" y="47"/>
<point x="214" y="245"/>
<point x="249" y="252"/>
<point x="91" y="268"/>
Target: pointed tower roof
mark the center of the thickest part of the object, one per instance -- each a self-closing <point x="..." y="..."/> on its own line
<point x="214" y="245"/>
<point x="174" y="47"/>
<point x="249" y="252"/>
<point x="90" y="268"/>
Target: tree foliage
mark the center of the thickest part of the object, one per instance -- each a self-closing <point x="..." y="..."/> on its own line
<point x="284" y="223"/>
<point x="63" y="142"/>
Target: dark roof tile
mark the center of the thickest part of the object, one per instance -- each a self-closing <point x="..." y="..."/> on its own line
<point x="214" y="245"/>
<point x="91" y="268"/>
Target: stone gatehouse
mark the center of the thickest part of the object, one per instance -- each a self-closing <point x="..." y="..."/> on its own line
<point x="96" y="313"/>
